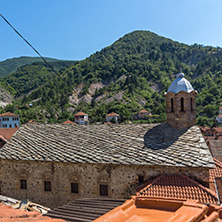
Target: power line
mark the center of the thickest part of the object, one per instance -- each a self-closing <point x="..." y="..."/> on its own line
<point x="28" y="43"/>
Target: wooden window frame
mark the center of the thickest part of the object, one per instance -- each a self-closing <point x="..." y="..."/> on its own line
<point x="47" y="186"/>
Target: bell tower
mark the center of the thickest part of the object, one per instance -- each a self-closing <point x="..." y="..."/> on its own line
<point x="181" y="103"/>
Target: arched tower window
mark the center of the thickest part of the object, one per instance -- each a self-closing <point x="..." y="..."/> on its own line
<point x="191" y="104"/>
<point x="172" y="110"/>
<point x="182" y="104"/>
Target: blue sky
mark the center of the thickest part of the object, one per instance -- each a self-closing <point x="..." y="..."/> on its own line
<point x="75" y="29"/>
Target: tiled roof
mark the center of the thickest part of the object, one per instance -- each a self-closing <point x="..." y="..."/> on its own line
<point x="9" y="214"/>
<point x="112" y="114"/>
<point x="178" y="186"/>
<point x="220" y="115"/>
<point x="81" y="114"/>
<point x="84" y="210"/>
<point x="8" y="114"/>
<point x="7" y="133"/>
<point x="144" y="111"/>
<point x="215" y="175"/>
<point x="217" y="171"/>
<point x="68" y="122"/>
<point x="141" y="209"/>
<point x="138" y="144"/>
<point x="218" y="129"/>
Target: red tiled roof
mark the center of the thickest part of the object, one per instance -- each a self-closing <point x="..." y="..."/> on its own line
<point x="144" y="111"/>
<point x="220" y="115"/>
<point x="68" y="122"/>
<point x="218" y="129"/>
<point x="8" y="132"/>
<point x="220" y="108"/>
<point x="178" y="186"/>
<point x="8" y="114"/>
<point x="81" y="114"/>
<point x="32" y="121"/>
<point x="162" y="209"/>
<point x="112" y="114"/>
<point x="9" y="214"/>
<point x="215" y="174"/>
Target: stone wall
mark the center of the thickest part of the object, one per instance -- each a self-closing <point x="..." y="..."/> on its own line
<point x="121" y="179"/>
<point x="181" y="118"/>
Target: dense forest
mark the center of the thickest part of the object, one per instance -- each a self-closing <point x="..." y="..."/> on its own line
<point x="131" y="74"/>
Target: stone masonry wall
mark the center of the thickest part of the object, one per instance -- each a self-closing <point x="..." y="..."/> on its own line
<point x="119" y="179"/>
<point x="177" y="118"/>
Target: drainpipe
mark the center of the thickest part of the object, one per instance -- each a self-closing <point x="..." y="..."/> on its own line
<point x="217" y="191"/>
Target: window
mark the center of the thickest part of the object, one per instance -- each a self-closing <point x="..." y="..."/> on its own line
<point x="140" y="179"/>
<point x="47" y="186"/>
<point x="172" y="110"/>
<point x="182" y="104"/>
<point x="4" y="125"/>
<point x="191" y="104"/>
<point x="10" y="125"/>
<point x="74" y="188"/>
<point x="103" y="190"/>
<point x="23" y="184"/>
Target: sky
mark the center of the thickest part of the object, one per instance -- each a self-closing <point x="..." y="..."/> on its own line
<point x="75" y="29"/>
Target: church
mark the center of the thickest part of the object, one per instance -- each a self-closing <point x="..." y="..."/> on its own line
<point x="52" y="164"/>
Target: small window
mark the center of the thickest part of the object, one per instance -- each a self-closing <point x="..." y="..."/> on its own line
<point x="103" y="190"/>
<point x="23" y="184"/>
<point x="47" y="186"/>
<point x="74" y="188"/>
<point x="172" y="110"/>
<point x="10" y="125"/>
<point x="140" y="179"/>
<point x="191" y="104"/>
<point x="182" y="104"/>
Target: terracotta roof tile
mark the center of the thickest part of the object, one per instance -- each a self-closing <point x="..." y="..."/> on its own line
<point x="112" y="114"/>
<point x="137" y="144"/>
<point x="68" y="122"/>
<point x="9" y="214"/>
<point x="7" y="133"/>
<point x="8" y="114"/>
<point x="178" y="186"/>
<point x="81" y="114"/>
<point x="162" y="209"/>
<point x="144" y="111"/>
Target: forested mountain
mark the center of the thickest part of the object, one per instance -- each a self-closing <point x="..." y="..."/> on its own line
<point x="11" y="65"/>
<point x="131" y="74"/>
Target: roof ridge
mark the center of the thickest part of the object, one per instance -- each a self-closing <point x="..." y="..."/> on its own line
<point x="151" y="183"/>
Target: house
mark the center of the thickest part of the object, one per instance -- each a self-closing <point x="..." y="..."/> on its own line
<point x="219" y="118"/>
<point x="9" y="120"/>
<point x="81" y="118"/>
<point x="144" y="114"/>
<point x="6" y="134"/>
<point x="112" y="117"/>
<point x="53" y="164"/>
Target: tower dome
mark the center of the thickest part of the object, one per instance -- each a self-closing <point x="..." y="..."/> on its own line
<point x="181" y="103"/>
<point x="180" y="84"/>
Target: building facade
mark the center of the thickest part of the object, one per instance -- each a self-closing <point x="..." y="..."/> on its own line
<point x="81" y="118"/>
<point x="112" y="117"/>
<point x="9" y="120"/>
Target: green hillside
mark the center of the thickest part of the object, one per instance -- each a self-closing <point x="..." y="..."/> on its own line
<point x="131" y="74"/>
<point x="11" y="65"/>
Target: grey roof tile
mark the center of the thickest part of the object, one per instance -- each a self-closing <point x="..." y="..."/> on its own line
<point x="140" y="144"/>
